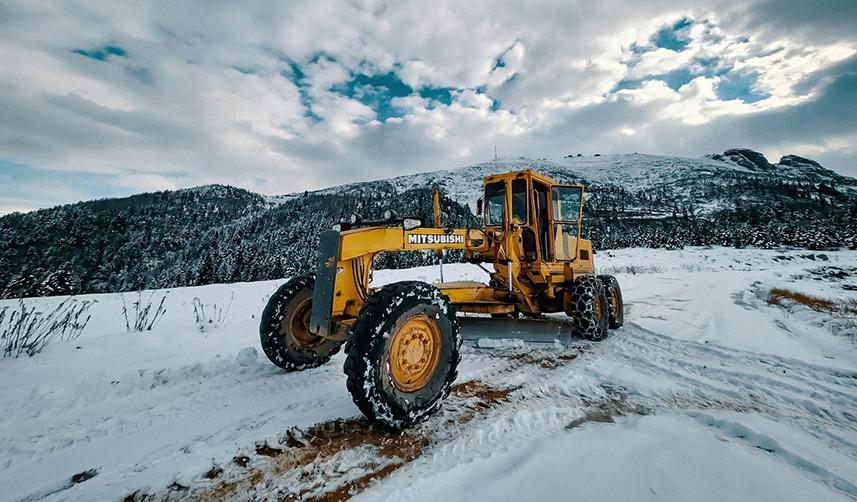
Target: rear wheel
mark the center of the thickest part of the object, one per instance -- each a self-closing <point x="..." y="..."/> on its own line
<point x="284" y="330"/>
<point x="586" y="302"/>
<point x="616" y="307"/>
<point x="403" y="353"/>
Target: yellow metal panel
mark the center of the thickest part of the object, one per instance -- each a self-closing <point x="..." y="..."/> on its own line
<point x="583" y="266"/>
<point x="476" y="293"/>
<point x="486" y="308"/>
<point x="364" y="241"/>
<point x="460" y="284"/>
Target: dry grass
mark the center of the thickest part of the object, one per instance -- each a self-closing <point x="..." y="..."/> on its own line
<point x="840" y="314"/>
<point x="28" y="330"/>
<point x="631" y="269"/>
<point x="777" y="295"/>
<point x="139" y="316"/>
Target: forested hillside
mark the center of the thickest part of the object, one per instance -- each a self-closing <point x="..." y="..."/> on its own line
<point x="188" y="237"/>
<point x="217" y="234"/>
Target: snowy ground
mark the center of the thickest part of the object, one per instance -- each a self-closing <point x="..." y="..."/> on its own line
<point x="708" y="393"/>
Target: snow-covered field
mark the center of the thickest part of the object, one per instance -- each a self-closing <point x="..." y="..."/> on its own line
<point x="709" y="392"/>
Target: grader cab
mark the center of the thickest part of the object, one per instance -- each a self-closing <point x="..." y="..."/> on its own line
<point x="402" y="340"/>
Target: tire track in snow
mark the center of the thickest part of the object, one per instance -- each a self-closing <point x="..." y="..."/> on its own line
<point x="544" y="392"/>
<point x="766" y="443"/>
<point x="717" y="377"/>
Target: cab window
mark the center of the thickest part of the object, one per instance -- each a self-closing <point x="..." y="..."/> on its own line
<point x="566" y="203"/>
<point x="519" y="201"/>
<point x="495" y="203"/>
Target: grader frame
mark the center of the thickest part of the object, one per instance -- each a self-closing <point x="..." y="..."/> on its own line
<point x="403" y="339"/>
<point x="524" y="264"/>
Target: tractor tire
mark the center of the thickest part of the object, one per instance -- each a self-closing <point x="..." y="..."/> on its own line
<point x="586" y="302"/>
<point x="284" y="329"/>
<point x="402" y="354"/>
<point x="615" y="304"/>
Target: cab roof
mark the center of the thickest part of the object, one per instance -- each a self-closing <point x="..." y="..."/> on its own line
<point x="524" y="173"/>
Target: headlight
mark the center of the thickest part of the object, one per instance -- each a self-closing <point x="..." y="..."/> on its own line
<point x="411" y="223"/>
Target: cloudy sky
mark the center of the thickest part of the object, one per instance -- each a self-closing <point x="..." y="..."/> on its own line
<point x="99" y="99"/>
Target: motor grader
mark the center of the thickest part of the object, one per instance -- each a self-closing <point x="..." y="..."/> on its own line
<point x="402" y="340"/>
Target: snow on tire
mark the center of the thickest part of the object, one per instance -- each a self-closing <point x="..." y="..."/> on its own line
<point x="586" y="302"/>
<point x="284" y="330"/>
<point x="402" y="354"/>
<point x="615" y="304"/>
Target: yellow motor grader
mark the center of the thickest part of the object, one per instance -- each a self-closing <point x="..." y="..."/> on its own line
<point x="402" y="340"/>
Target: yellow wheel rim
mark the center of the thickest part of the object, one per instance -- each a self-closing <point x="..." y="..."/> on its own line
<point x="597" y="306"/>
<point x="295" y="325"/>
<point x="414" y="352"/>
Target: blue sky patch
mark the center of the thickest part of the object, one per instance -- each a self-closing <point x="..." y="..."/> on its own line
<point x="376" y="92"/>
<point x="677" y="78"/>
<point x="740" y="85"/>
<point x="675" y="37"/>
<point x="26" y="185"/>
<point x="318" y="56"/>
<point x="674" y="80"/>
<point x="439" y="94"/>
<point x="698" y="67"/>
<point x="500" y="61"/>
<point x="102" y="53"/>
<point x="296" y="75"/>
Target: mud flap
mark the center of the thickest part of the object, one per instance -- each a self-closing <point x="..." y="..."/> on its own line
<point x="547" y="330"/>
<point x="325" y="282"/>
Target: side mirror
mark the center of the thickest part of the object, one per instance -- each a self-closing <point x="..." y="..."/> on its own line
<point x="479" y="206"/>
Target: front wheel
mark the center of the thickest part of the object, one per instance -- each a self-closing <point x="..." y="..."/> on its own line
<point x="284" y="331"/>
<point x="403" y="353"/>
<point x="586" y="302"/>
<point x="615" y="304"/>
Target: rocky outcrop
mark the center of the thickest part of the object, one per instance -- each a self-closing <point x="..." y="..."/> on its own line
<point x="744" y="157"/>
<point x="795" y="161"/>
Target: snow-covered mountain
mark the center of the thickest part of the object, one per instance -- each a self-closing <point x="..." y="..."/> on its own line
<point x="684" y="179"/>
<point x="217" y="234"/>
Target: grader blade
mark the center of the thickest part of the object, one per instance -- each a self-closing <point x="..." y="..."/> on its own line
<point x="489" y="332"/>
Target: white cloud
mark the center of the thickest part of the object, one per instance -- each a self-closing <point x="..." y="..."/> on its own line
<point x="659" y="62"/>
<point x="207" y="93"/>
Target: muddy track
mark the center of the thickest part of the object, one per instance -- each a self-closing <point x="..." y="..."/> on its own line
<point x="334" y="460"/>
